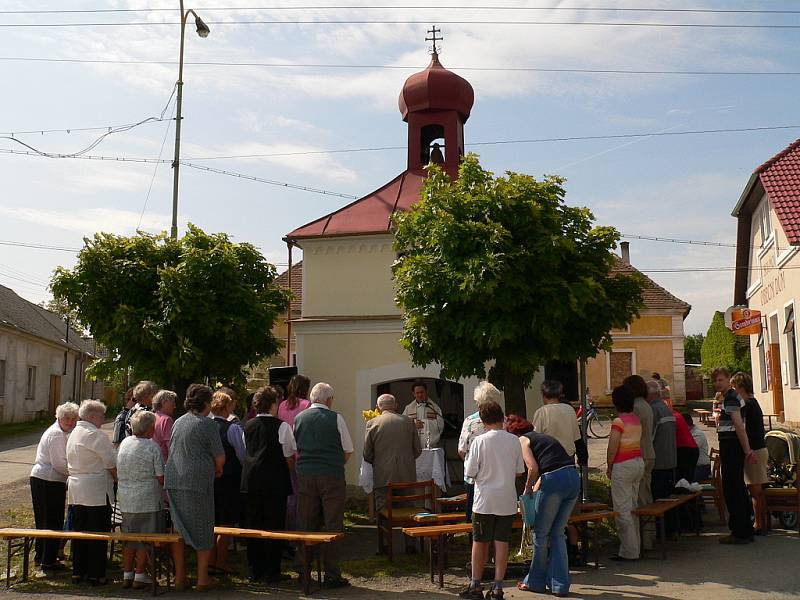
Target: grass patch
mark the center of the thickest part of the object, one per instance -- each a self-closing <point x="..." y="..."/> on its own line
<point x="353" y="518"/>
<point x="379" y="566"/>
<point x="12" y="429"/>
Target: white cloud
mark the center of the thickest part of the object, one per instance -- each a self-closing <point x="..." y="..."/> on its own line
<point x="323" y="166"/>
<point x="89" y="220"/>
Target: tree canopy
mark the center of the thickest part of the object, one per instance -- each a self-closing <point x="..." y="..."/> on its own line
<point x="723" y="348"/>
<point x="500" y="271"/>
<point x="174" y="310"/>
<point x="692" y="345"/>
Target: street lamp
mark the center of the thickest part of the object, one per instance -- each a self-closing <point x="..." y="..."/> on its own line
<point x="202" y="31"/>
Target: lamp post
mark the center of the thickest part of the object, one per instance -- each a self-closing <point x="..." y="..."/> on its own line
<point x="202" y="31"/>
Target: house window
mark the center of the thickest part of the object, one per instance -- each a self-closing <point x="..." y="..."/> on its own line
<point x="791" y="344"/>
<point x="762" y="363"/>
<point x="620" y="366"/>
<point x="30" y="389"/>
<point x="2" y="378"/>
<point x="766" y="222"/>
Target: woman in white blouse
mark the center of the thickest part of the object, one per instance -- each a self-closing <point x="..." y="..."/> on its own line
<point x="92" y="461"/>
<point x="49" y="483"/>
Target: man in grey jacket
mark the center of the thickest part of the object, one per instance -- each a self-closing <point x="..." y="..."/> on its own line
<point x="662" y="480"/>
<point x="391" y="446"/>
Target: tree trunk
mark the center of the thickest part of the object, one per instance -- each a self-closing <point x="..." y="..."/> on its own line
<point x="514" y="392"/>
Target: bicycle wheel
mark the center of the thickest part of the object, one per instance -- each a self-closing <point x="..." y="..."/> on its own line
<point x="600" y="426"/>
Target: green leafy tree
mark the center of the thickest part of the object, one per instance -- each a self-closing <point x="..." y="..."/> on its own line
<point x="175" y="311"/>
<point x="60" y="308"/>
<point x="501" y="271"/>
<point x="722" y="348"/>
<point x="692" y="344"/>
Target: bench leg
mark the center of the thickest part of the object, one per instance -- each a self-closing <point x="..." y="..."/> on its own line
<point x="319" y="567"/>
<point x="430" y="543"/>
<point x="306" y="576"/>
<point x="8" y="564"/>
<point x="440" y="551"/>
<point x="26" y="546"/>
<point x="663" y="531"/>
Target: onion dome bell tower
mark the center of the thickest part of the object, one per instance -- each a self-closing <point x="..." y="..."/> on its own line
<point x="436" y="103"/>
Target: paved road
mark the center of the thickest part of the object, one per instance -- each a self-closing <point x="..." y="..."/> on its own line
<point x="17" y="454"/>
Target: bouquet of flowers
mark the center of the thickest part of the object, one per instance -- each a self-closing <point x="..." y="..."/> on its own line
<point x="370" y="414"/>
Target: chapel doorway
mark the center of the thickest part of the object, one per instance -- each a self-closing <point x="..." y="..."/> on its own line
<point x="449" y="395"/>
<point x="567" y="374"/>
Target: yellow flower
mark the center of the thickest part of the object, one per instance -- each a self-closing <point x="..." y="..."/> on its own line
<point x="370" y="414"/>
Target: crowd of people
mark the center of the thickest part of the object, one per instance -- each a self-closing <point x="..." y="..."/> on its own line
<point x="284" y="469"/>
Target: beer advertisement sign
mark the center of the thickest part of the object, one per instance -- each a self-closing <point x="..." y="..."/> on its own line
<point x="745" y="321"/>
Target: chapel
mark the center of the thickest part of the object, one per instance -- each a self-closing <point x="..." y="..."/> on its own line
<point x="348" y="331"/>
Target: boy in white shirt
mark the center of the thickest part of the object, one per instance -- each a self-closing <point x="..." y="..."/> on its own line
<point x="494" y="462"/>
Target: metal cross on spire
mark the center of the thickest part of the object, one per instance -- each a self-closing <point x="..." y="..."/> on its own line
<point x="433" y="31"/>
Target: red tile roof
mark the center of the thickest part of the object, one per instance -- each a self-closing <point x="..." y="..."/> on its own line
<point x="371" y="214"/>
<point x="655" y="297"/>
<point x="297" y="286"/>
<point x="780" y="177"/>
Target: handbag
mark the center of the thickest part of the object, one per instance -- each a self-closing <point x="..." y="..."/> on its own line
<point x="527" y="504"/>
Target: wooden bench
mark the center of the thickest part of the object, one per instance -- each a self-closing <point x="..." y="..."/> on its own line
<point x="439" y="533"/>
<point x="305" y="539"/>
<point x="656" y="511"/>
<point x="151" y="541"/>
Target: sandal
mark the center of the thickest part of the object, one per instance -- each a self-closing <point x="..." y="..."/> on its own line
<point x="524" y="587"/>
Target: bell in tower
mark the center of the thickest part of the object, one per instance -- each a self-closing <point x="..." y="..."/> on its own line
<point x="436" y="103"/>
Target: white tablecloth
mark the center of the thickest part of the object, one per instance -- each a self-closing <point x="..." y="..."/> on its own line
<point x="430" y="465"/>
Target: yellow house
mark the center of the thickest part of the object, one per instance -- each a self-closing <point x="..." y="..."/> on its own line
<point x="652" y="343"/>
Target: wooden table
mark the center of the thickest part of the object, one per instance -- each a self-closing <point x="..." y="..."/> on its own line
<point x="703" y="414"/>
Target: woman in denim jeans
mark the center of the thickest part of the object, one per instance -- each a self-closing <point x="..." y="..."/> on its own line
<point x="552" y="472"/>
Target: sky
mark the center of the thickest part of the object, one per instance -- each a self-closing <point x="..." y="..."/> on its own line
<point x="681" y="186"/>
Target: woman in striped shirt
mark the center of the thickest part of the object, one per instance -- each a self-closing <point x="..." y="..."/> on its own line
<point x="625" y="469"/>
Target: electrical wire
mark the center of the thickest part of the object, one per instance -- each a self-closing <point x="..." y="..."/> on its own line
<point x="155" y="170"/>
<point x="98" y="140"/>
<point x="275" y="65"/>
<point x="37" y="246"/>
<point x="413" y="22"/>
<point x="415" y="7"/>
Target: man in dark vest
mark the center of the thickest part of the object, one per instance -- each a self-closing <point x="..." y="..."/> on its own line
<point x="266" y="483"/>
<point x="324" y="446"/>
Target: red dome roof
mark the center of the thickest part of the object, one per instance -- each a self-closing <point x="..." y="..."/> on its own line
<point x="436" y="88"/>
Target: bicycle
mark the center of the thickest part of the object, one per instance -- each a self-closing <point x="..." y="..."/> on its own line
<point x="598" y="425"/>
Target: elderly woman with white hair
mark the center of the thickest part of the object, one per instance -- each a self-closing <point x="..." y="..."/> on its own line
<point x="140" y="470"/>
<point x="92" y="463"/>
<point x="472" y="428"/>
<point x="49" y="483"/>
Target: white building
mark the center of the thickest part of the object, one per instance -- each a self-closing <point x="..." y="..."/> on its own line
<point x="768" y="278"/>
<point x="42" y="361"/>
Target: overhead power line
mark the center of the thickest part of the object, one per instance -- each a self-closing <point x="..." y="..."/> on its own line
<point x="650" y="238"/>
<point x="37" y="246"/>
<point x="414" y="7"/>
<point x="411" y="22"/>
<point x="518" y="141"/>
<point x="277" y="65"/>
<point x="388" y="148"/>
